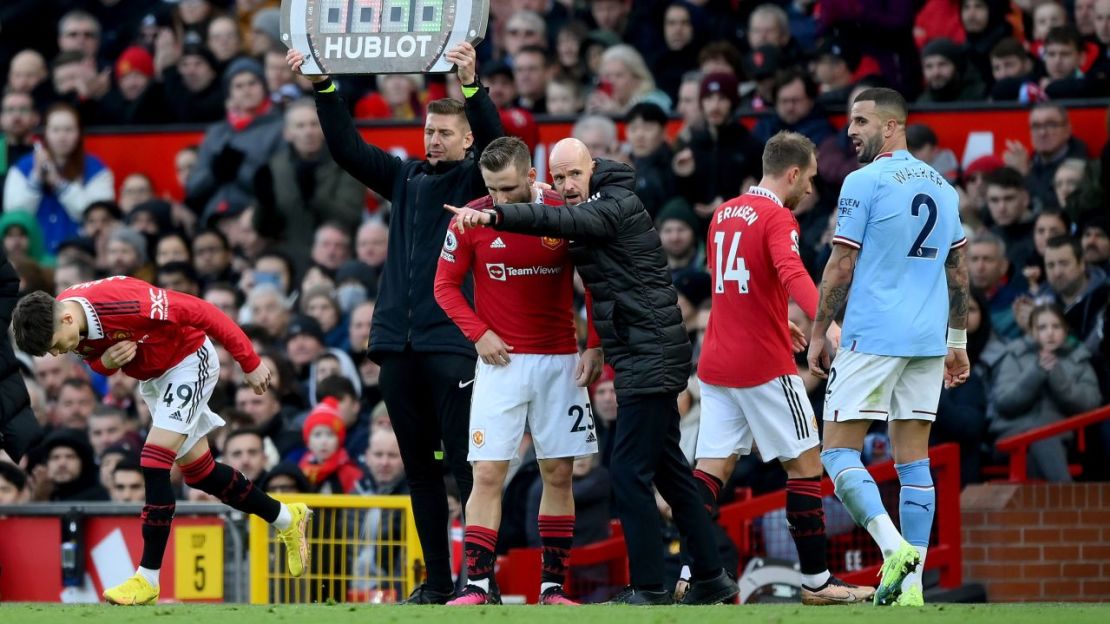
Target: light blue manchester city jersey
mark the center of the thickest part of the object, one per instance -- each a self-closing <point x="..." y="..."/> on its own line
<point x="904" y="218"/>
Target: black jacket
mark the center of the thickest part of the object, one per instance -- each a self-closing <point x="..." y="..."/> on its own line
<point x="18" y="427"/>
<point x="721" y="163"/>
<point x="616" y="250"/>
<point x="86" y="487"/>
<point x="406" y="312"/>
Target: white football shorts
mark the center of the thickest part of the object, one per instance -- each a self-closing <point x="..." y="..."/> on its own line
<point x="776" y="416"/>
<point x="178" y="400"/>
<point x="863" y="386"/>
<point x="535" y="389"/>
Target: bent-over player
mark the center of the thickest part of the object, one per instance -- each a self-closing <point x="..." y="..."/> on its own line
<point x="159" y="337"/>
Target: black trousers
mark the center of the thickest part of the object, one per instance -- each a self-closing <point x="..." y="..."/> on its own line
<point x="646" y="451"/>
<point x="428" y="398"/>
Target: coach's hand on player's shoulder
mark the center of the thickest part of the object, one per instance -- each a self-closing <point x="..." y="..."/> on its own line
<point x="119" y="354"/>
<point x="589" y="367"/>
<point x="957" y="367"/>
<point x="258" y="379"/>
<point x="469" y="217"/>
<point x="465" y="58"/>
<point x="492" y="349"/>
<point x="296" y="60"/>
<point x="819" y="359"/>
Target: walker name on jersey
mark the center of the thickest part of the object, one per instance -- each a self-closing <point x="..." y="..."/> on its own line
<point x="499" y="272"/>
<point x="919" y="173"/>
<point x="744" y="212"/>
<point x="376" y="46"/>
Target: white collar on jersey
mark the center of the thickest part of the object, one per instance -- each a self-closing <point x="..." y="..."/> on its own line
<point x="96" y="330"/>
<point x="762" y="192"/>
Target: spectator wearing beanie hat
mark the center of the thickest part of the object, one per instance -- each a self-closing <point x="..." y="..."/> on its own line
<point x="135" y="99"/>
<point x="193" y="91"/>
<point x="235" y="149"/>
<point x="721" y="156"/>
<point x="975" y="176"/>
<point x="265" y="31"/>
<point x="326" y="464"/>
<point x="947" y="75"/>
<point x="646" y="126"/>
<point x="679" y="233"/>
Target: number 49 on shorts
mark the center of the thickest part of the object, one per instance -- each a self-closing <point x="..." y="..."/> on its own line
<point x="184" y="393"/>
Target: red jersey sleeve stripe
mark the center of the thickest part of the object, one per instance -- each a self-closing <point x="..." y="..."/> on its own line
<point x="959" y="243"/>
<point x="841" y="240"/>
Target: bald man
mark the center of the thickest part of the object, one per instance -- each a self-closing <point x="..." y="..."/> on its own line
<point x="26" y="71"/>
<point x="616" y="250"/>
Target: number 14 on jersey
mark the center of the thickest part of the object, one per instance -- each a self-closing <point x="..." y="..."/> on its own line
<point x="732" y="270"/>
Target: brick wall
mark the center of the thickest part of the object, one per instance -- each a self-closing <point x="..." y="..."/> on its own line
<point x="1038" y="542"/>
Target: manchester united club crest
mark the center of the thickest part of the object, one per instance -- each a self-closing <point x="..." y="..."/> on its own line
<point x="121" y="334"/>
<point x="478" y="437"/>
<point x="551" y="243"/>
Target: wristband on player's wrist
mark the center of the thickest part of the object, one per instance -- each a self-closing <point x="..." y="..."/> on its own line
<point x="957" y="338"/>
<point x="494" y="215"/>
<point x="470" y="89"/>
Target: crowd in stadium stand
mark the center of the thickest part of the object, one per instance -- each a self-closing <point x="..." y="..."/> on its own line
<point x="270" y="230"/>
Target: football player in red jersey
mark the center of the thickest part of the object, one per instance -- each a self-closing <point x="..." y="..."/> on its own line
<point x="751" y="394"/>
<point x="159" y="337"/>
<point x="529" y="371"/>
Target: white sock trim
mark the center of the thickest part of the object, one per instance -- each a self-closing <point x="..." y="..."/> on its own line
<point x="284" y="519"/>
<point x="885" y="534"/>
<point x="914" y="578"/>
<point x="151" y="576"/>
<point x="816" y="581"/>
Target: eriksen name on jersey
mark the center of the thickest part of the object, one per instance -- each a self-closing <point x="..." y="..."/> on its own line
<point x="744" y="212"/>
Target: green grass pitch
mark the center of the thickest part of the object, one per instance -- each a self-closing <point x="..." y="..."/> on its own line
<point x="755" y="614"/>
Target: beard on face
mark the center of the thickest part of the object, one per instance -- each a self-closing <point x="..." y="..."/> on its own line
<point x="869" y="149"/>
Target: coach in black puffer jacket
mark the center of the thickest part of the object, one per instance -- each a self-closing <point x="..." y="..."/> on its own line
<point x="616" y="250"/>
<point x="18" y="427"/>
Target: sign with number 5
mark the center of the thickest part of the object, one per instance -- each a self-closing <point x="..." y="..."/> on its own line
<point x="199" y="562"/>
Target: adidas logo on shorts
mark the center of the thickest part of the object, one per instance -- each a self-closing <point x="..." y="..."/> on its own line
<point x="591" y="438"/>
<point x="176" y="416"/>
<point x="497" y="243"/>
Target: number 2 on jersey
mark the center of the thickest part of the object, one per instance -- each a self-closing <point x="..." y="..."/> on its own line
<point x="921" y="200"/>
<point x="732" y="270"/>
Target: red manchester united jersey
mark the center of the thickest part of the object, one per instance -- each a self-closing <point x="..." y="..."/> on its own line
<point x="754" y="263"/>
<point x="523" y="286"/>
<point x="168" y="325"/>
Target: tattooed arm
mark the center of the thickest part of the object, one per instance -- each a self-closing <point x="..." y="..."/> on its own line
<point x="955" y="267"/>
<point x="957" y="367"/>
<point x="835" y="283"/>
